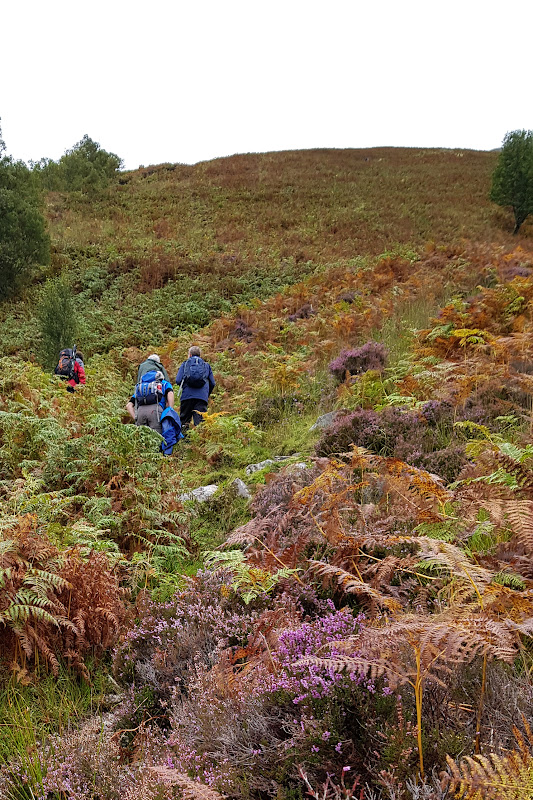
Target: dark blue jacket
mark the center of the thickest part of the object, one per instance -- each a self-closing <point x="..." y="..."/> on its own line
<point x="196" y="392"/>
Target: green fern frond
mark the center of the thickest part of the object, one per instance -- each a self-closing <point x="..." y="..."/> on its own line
<point x="483" y="539"/>
<point x="18" y="614"/>
<point x="42" y="581"/>
<point x="519" y="454"/>
<point x="248" y="581"/>
<point x="474" y="428"/>
<point x="509" y="579"/>
<point x="446" y="530"/>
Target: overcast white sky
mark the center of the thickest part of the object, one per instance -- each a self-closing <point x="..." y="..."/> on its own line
<point x="186" y="81"/>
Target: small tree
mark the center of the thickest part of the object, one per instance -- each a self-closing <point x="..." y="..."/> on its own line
<point x="84" y="168"/>
<point x="57" y="320"/>
<point x="23" y="238"/>
<point x="512" y="180"/>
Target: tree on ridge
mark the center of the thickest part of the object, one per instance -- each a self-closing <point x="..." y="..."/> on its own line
<point x="85" y="168"/>
<point x="512" y="180"/>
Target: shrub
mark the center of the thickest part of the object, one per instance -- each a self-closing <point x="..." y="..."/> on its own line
<point x="57" y="320"/>
<point x="190" y="628"/>
<point x="275" y="715"/>
<point x="447" y="462"/>
<point x="436" y="412"/>
<point x="360" y="427"/>
<point x="89" y="765"/>
<point x="278" y="493"/>
<point x="371" y="355"/>
<point x="411" y="436"/>
<point x="242" y="331"/>
<point x="304" y="312"/>
<point x="386" y="433"/>
<point x="486" y="404"/>
<point x="307" y="684"/>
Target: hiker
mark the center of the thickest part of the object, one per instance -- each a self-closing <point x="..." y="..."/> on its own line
<point x="152" y="362"/>
<point x="152" y="395"/>
<point x="71" y="367"/>
<point x="195" y="377"/>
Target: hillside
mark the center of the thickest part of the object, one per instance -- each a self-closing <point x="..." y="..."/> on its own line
<point x="172" y="246"/>
<point x="349" y="615"/>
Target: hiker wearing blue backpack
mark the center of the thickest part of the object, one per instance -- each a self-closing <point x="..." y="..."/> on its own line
<point x="195" y="377"/>
<point x="151" y="397"/>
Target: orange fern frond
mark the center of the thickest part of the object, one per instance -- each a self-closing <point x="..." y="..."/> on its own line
<point x="496" y="777"/>
<point x="520" y="516"/>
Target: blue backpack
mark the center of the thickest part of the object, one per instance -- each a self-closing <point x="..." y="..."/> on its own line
<point x="149" y="390"/>
<point x="195" y="371"/>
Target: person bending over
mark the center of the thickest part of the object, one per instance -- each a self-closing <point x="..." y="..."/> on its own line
<point x="151" y="396"/>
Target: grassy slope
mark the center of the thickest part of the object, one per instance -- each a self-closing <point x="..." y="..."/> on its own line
<point x="172" y="247"/>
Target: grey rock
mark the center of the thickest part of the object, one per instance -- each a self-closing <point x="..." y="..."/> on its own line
<point x="251" y="468"/>
<point x="241" y="489"/>
<point x="324" y="421"/>
<point x="298" y="467"/>
<point x="268" y="463"/>
<point x="111" y="700"/>
<point x="201" y="494"/>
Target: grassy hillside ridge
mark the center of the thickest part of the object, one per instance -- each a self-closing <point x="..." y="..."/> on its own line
<point x="171" y="247"/>
<point x="329" y="203"/>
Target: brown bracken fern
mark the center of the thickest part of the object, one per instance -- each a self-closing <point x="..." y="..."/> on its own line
<point x="496" y="777"/>
<point x="54" y="605"/>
